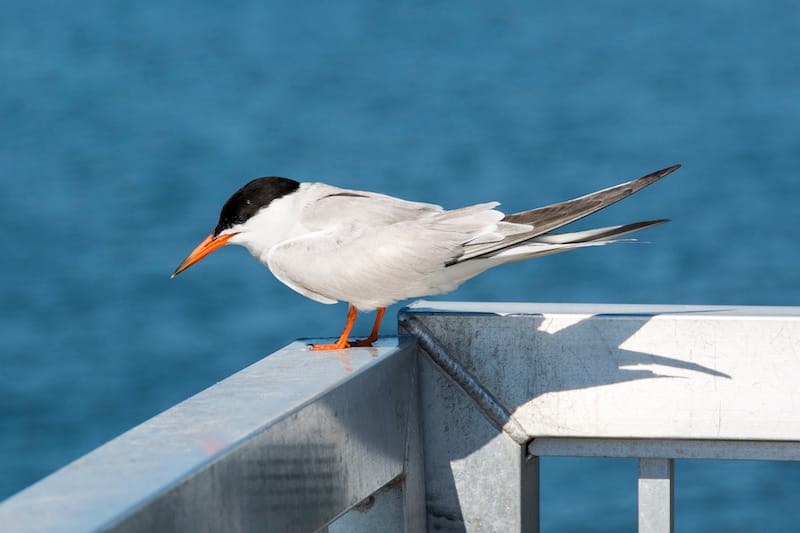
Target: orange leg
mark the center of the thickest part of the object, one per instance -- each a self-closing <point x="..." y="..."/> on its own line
<point x="342" y="342"/>
<point x="373" y="336"/>
<point x="351" y="319"/>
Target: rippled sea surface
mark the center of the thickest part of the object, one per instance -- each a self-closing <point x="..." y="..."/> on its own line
<point x="125" y="125"/>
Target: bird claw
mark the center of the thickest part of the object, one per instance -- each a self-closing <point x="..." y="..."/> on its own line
<point x="366" y="343"/>
<point x="325" y="347"/>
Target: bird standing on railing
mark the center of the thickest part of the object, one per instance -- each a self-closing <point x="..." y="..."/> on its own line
<point x="372" y="250"/>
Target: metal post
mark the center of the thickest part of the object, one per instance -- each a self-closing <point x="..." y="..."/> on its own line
<point x="531" y="520"/>
<point x="656" y="495"/>
<point x="478" y="474"/>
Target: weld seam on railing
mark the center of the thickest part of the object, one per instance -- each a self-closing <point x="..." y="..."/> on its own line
<point x="487" y="403"/>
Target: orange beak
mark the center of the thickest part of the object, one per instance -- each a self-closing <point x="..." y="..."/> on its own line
<point x="208" y="245"/>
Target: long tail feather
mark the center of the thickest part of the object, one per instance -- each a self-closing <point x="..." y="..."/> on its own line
<point x="599" y="234"/>
<point x="545" y="219"/>
<point x="554" y="243"/>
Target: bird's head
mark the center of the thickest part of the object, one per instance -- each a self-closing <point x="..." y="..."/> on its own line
<point x="238" y="223"/>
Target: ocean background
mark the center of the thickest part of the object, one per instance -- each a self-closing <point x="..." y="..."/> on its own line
<point x="124" y="126"/>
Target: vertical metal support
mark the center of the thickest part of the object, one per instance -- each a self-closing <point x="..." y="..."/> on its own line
<point x="476" y="477"/>
<point x="656" y="495"/>
<point x="530" y="493"/>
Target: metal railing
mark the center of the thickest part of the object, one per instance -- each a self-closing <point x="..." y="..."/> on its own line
<point x="442" y="428"/>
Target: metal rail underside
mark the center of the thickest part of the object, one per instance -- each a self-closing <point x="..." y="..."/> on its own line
<point x="442" y="428"/>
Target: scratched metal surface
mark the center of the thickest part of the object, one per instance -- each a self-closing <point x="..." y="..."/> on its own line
<point x="694" y="372"/>
<point x="280" y="443"/>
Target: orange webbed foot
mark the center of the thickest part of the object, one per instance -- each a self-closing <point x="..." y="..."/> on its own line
<point x="343" y="343"/>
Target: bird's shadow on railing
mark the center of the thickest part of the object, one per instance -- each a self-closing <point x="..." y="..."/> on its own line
<point x="520" y="357"/>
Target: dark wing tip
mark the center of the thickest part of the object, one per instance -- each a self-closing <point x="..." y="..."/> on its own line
<point x="615" y="194"/>
<point x="636" y="226"/>
<point x="669" y="170"/>
<point x="653" y="177"/>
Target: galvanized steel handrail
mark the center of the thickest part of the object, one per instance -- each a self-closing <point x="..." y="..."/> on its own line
<point x="445" y="431"/>
<point x="287" y="444"/>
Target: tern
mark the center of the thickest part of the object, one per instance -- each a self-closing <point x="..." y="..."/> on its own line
<point x="372" y="250"/>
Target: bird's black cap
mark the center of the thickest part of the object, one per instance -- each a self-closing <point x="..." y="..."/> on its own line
<point x="251" y="198"/>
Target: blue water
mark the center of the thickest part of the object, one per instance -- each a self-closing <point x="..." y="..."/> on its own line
<point x="125" y="125"/>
